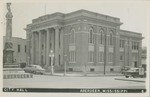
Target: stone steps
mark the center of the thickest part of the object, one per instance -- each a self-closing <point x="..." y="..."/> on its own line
<point x="11" y="66"/>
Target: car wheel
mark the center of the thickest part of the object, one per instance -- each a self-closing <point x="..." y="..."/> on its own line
<point x="127" y="76"/>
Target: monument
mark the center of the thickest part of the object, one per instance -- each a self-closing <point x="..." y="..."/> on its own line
<point x="8" y="49"/>
<point x="10" y="68"/>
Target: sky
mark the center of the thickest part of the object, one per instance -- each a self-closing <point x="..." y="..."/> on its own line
<point x="133" y="15"/>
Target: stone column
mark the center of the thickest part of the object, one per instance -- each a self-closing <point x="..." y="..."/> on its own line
<point x="28" y="57"/>
<point x="33" y="44"/>
<point x="95" y="46"/>
<point x="106" y="49"/>
<point x="130" y="58"/>
<point x="116" y="49"/>
<point x="47" y="47"/>
<point x="44" y="51"/>
<point x="139" y="53"/>
<point x="56" y="45"/>
<point x="126" y="53"/>
<point x="61" y="46"/>
<point x="40" y="47"/>
<point x="36" y="48"/>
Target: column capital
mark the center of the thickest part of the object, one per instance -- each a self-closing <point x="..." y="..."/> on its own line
<point x="39" y="31"/>
<point x="58" y="27"/>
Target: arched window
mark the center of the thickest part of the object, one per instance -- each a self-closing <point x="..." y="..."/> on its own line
<point x="101" y="37"/>
<point x="91" y="36"/>
<point x="72" y="36"/>
<point x="111" y="38"/>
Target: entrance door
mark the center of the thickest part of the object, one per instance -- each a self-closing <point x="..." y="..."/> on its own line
<point x="135" y="64"/>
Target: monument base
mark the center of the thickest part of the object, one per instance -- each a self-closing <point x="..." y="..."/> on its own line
<point x="12" y="71"/>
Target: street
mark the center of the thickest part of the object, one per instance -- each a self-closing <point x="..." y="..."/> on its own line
<point x="47" y="81"/>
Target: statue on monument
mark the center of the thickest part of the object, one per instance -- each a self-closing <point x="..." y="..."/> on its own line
<point x="8" y="23"/>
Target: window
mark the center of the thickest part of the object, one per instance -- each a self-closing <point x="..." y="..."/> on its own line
<point x="25" y="48"/>
<point x="132" y="45"/>
<point x="101" y="57"/>
<point x="59" y="40"/>
<point x="110" y="57"/>
<point x="121" y="57"/>
<point x="70" y="69"/>
<point x="92" y="69"/>
<point x="91" y="36"/>
<point x="72" y="56"/>
<point x="111" y="38"/>
<point x="91" y="56"/>
<point x="59" y="59"/>
<point x="122" y="43"/>
<point x="72" y="36"/>
<point x="111" y="69"/>
<point x="101" y="37"/>
<point x="43" y="46"/>
<point x="135" y="45"/>
<point x="18" y="48"/>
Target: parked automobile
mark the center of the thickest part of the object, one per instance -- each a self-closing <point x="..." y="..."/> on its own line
<point x="124" y="70"/>
<point x="36" y="69"/>
<point x="135" y="72"/>
<point x="22" y="65"/>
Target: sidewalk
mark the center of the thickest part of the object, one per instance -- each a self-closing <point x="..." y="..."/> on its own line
<point x="79" y="74"/>
<point x="131" y="79"/>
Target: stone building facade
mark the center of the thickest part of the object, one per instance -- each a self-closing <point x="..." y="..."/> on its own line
<point x="19" y="48"/>
<point x="83" y="40"/>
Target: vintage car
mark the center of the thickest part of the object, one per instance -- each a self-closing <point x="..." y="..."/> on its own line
<point x="135" y="72"/>
<point x="35" y="69"/>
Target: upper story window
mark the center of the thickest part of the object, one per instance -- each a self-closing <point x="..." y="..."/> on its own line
<point x="121" y="57"/>
<point x="135" y="45"/>
<point x="72" y="36"/>
<point x="122" y="42"/>
<point x="43" y="46"/>
<point x="19" y="48"/>
<point x="91" y="40"/>
<point x="111" y="38"/>
<point x="25" y="48"/>
<point x="101" y="37"/>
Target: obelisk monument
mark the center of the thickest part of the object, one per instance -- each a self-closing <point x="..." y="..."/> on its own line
<point x="8" y="49"/>
<point x="11" y="70"/>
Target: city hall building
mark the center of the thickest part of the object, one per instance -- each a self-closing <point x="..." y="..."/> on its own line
<point x="83" y="40"/>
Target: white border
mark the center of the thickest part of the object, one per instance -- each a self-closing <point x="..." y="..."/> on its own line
<point x="71" y="94"/>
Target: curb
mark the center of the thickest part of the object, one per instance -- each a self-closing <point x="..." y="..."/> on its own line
<point x="81" y="75"/>
<point x="129" y="80"/>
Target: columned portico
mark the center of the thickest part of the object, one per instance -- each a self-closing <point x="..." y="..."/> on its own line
<point x="45" y="40"/>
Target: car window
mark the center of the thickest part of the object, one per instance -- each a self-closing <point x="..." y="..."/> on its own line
<point x="38" y="67"/>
